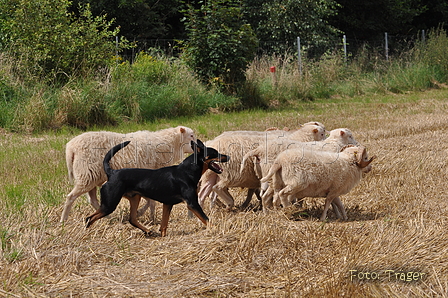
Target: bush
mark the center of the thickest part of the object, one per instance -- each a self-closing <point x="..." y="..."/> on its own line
<point x="156" y="87"/>
<point x="52" y="44"/>
<point x="221" y="45"/>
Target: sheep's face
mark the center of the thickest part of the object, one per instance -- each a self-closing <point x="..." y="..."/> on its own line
<point x="316" y="132"/>
<point x="344" y="136"/>
<point x="315" y="123"/>
<point x="187" y="136"/>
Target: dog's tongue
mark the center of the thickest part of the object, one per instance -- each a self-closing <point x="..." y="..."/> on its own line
<point x="214" y="166"/>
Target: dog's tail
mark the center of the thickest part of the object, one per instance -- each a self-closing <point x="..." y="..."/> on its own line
<point x="109" y="156"/>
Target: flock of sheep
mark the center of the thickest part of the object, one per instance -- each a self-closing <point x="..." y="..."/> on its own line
<point x="278" y="166"/>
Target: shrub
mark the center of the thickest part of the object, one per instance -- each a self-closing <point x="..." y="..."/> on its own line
<point x="221" y="45"/>
<point x="51" y="43"/>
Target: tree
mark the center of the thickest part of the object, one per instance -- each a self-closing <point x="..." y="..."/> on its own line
<point x="221" y="44"/>
<point x="281" y="22"/>
<point x="368" y="19"/>
<point x="140" y="19"/>
<point x="52" y="43"/>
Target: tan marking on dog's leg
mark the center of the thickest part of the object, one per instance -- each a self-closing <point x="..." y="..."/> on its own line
<point x="204" y="221"/>
<point x="135" y="201"/>
<point x="94" y="217"/>
<point x="165" y="217"/>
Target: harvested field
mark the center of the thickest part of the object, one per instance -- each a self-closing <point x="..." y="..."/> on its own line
<point x="396" y="232"/>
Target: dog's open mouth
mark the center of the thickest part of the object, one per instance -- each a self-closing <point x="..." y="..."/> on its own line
<point x="212" y="165"/>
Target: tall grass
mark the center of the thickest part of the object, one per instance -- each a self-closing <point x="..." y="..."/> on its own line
<point x="156" y="87"/>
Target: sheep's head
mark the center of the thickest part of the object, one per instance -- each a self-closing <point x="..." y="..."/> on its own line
<point x="314" y="123"/>
<point x="361" y="159"/>
<point x="343" y="136"/>
<point x="187" y="135"/>
<point x="315" y="132"/>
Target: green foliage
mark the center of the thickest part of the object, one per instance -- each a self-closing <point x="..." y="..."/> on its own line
<point x="156" y="87"/>
<point x="140" y="19"/>
<point x="281" y="22"/>
<point x="220" y="45"/>
<point x="435" y="52"/>
<point x="51" y="43"/>
<point x="153" y="87"/>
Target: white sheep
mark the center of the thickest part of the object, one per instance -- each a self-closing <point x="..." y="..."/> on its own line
<point x="302" y="173"/>
<point x="236" y="144"/>
<point x="149" y="149"/>
<point x="263" y="156"/>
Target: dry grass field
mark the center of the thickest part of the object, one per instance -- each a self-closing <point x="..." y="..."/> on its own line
<point x="395" y="243"/>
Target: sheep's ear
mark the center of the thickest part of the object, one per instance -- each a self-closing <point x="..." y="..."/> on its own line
<point x="342" y="132"/>
<point x="315" y="130"/>
<point x="182" y="130"/>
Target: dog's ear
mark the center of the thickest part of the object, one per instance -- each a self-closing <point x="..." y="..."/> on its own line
<point x="200" y="144"/>
<point x="197" y="147"/>
<point x="194" y="146"/>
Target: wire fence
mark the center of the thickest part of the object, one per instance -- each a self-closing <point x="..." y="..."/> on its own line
<point x="386" y="46"/>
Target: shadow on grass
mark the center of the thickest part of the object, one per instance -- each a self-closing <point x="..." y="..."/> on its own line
<point x="354" y="213"/>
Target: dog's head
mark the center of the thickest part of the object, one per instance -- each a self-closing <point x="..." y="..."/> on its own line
<point x="209" y="156"/>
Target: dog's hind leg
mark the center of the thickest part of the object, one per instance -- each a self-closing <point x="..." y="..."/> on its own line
<point x="110" y="197"/>
<point x="135" y="201"/>
<point x="165" y="217"/>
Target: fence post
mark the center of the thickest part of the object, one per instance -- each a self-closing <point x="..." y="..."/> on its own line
<point x="423" y="36"/>
<point x="387" y="46"/>
<point x="344" y="41"/>
<point x="116" y="48"/>
<point x="299" y="56"/>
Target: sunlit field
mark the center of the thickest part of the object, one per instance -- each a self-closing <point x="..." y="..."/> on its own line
<point x="394" y="243"/>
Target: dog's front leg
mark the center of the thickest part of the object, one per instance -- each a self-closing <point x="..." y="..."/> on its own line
<point x="165" y="217"/>
<point x="194" y="207"/>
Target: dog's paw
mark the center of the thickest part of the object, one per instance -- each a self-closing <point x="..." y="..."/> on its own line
<point x="148" y="234"/>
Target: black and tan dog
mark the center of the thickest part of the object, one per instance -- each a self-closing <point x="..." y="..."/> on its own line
<point x="169" y="185"/>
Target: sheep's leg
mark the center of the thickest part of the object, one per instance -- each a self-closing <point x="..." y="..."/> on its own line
<point x="336" y="209"/>
<point x="263" y="188"/>
<point x="207" y="188"/>
<point x="283" y="196"/>
<point x="205" y="191"/>
<point x="151" y="204"/>
<point x="250" y="193"/>
<point x="224" y="194"/>
<point x="92" y="198"/>
<point x="267" y="199"/>
<point x="327" y="206"/>
<point x="213" y="201"/>
<point x="337" y="201"/>
<point x="70" y="199"/>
